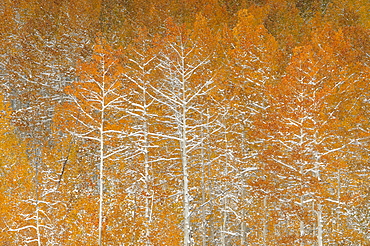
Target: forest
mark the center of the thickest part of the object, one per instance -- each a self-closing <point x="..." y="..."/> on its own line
<point x="184" y="122"/>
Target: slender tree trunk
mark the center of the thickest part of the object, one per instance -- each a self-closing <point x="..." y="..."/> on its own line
<point x="184" y="158"/>
<point x="338" y="202"/>
<point x="242" y="224"/>
<point x="243" y="195"/>
<point x="204" y="222"/>
<point x="242" y="232"/>
<point x="210" y="192"/>
<point x="134" y="216"/>
<point x="101" y="153"/>
<point x="319" y="209"/>
<point x="319" y="225"/>
<point x="211" y="219"/>
<point x="301" y="222"/>
<point x="38" y="224"/>
<point x="147" y="191"/>
<point x="301" y="233"/>
<point x="38" y="233"/>
<point x="148" y="197"/>
<point x="224" y="222"/>
<point x="265" y="221"/>
<point x="101" y="166"/>
<point x="185" y="184"/>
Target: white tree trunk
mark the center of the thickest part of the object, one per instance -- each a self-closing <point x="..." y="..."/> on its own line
<point x="265" y="221"/>
<point x="203" y="160"/>
<point x="38" y="233"/>
<point x="148" y="197"/>
<point x="101" y="166"/>
<point x="338" y="202"/>
<point x="319" y="225"/>
<point x="101" y="155"/>
<point x="224" y="224"/>
<point x="184" y="157"/>
<point x="185" y="190"/>
<point x="185" y="174"/>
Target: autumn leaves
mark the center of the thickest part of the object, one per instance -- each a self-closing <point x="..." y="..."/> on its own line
<point x="242" y="124"/>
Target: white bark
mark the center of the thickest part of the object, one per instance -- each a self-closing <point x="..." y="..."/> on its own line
<point x="184" y="156"/>
<point x="319" y="225"/>
<point x="264" y="232"/>
<point x="148" y="192"/>
<point x="224" y="222"/>
<point x="38" y="233"/>
<point x="203" y="187"/>
<point x="148" y="197"/>
<point x="101" y="166"/>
